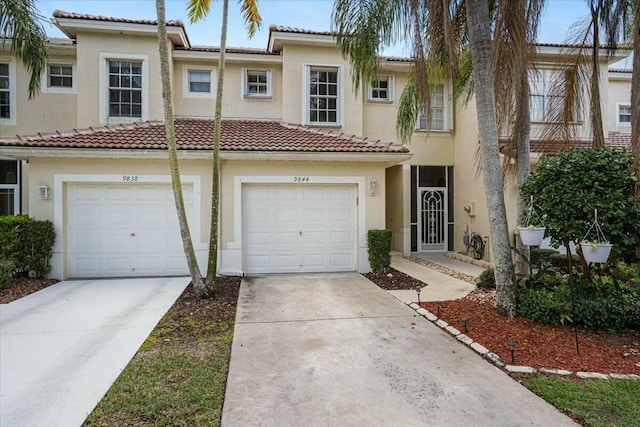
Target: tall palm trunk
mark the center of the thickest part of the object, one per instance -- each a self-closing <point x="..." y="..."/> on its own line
<point x="523" y="167"/>
<point x="170" y="136"/>
<point x="635" y="99"/>
<point x="212" y="265"/>
<point x="480" y="41"/>
<point x="596" y="106"/>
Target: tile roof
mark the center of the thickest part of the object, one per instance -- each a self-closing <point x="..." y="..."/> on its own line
<point x="72" y="15"/>
<point x="616" y="140"/>
<point x="246" y="50"/>
<point x="621" y="70"/>
<point x="285" y="29"/>
<point x="197" y="134"/>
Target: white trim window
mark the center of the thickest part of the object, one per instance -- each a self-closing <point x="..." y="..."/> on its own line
<point x="124" y="83"/>
<point x="9" y="187"/>
<point x="623" y="114"/>
<point x="381" y="89"/>
<point x="323" y="100"/>
<point x="59" y="78"/>
<point x="546" y="100"/>
<point x="256" y="83"/>
<point x="125" y="89"/>
<point x="198" y="82"/>
<point x="438" y="111"/>
<point x="7" y="93"/>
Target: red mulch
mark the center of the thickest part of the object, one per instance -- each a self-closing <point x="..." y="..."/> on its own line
<point x="539" y="345"/>
<point x="21" y="287"/>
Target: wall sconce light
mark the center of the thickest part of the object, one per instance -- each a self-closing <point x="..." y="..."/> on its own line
<point x="43" y="192"/>
<point x="374" y="187"/>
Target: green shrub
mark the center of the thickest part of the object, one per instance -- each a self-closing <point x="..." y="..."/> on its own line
<point x="487" y="279"/>
<point x="538" y="256"/>
<point x="611" y="311"/>
<point x="28" y="243"/>
<point x="561" y="262"/>
<point x="379" y="242"/>
<point x="6" y="271"/>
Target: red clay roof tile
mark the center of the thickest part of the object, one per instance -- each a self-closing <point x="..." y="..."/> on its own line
<point x="72" y="15"/>
<point x="197" y="134"/>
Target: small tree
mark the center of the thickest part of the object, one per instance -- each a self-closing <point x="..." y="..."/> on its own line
<point x="569" y="186"/>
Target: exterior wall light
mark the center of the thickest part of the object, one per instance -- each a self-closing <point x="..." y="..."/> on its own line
<point x="43" y="192"/>
<point x="374" y="187"/>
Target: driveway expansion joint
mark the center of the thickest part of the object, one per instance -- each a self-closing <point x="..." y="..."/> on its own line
<point x="266" y="322"/>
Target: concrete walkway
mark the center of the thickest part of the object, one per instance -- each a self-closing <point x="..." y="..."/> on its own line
<point x="61" y="348"/>
<point x="336" y="350"/>
<point x="441" y="287"/>
<point x="451" y="263"/>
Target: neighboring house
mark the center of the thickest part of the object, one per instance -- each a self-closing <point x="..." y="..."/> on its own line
<point x="304" y="172"/>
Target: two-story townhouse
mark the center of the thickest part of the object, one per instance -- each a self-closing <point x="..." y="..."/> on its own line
<point x="304" y="174"/>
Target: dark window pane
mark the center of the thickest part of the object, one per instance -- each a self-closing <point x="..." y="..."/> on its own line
<point x="114" y="110"/>
<point x="136" y="96"/>
<point x="322" y="116"/>
<point x="5" y="112"/>
<point x="136" y="110"/>
<point x="332" y="103"/>
<point x="314" y="116"/>
<point x="113" y="81"/>
<point x="136" y="82"/>
<point x="333" y="77"/>
<point x="7" y="201"/>
<point x="333" y="90"/>
<point x="332" y="117"/>
<point x="8" y="172"/>
<point x="4" y="69"/>
<point x="114" y="67"/>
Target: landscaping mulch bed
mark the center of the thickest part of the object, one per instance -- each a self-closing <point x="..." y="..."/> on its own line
<point x="21" y="287"/>
<point x="393" y="280"/>
<point x="539" y="345"/>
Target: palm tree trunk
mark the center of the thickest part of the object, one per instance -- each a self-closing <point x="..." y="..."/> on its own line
<point x="523" y="168"/>
<point x="170" y="136"/>
<point x="212" y="265"/>
<point x="596" y="106"/>
<point x="480" y="41"/>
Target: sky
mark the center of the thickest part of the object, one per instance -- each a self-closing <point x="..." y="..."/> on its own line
<point x="306" y="14"/>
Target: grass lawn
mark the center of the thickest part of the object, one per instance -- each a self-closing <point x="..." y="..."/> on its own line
<point x="593" y="402"/>
<point x="179" y="374"/>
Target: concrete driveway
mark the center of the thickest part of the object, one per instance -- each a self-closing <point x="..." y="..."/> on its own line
<point x="320" y="350"/>
<point x="62" y="348"/>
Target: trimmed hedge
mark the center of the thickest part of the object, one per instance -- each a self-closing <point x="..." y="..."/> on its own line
<point x="379" y="242"/>
<point x="487" y="279"/>
<point x="27" y="243"/>
<point x="6" y="270"/>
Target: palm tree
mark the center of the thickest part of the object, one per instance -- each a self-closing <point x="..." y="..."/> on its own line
<point x="198" y="9"/>
<point x="635" y="97"/>
<point x="199" y="286"/>
<point x="19" y="21"/>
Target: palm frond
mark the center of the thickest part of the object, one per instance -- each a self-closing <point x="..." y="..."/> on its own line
<point x="198" y="10"/>
<point x="20" y="20"/>
<point x="252" y="18"/>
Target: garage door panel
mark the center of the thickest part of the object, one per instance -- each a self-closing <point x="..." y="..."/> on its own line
<point x="299" y="228"/>
<point x="128" y="229"/>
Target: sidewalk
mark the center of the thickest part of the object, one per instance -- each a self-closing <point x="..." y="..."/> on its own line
<point x="441" y="287"/>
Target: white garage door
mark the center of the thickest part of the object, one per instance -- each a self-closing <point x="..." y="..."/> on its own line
<point x="121" y="230"/>
<point x="294" y="229"/>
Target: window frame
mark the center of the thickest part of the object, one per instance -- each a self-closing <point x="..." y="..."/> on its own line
<point x="12" y="120"/>
<point x="245" y="83"/>
<point x="105" y="58"/>
<point x="15" y="187"/>
<point x="447" y="108"/>
<point x="44" y="84"/>
<point x="186" y="81"/>
<point x="390" y="90"/>
<point x="306" y="113"/>
<point x="547" y="83"/>
<point x="619" y="123"/>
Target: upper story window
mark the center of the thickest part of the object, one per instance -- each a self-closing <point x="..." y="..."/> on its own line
<point x="199" y="81"/>
<point x="256" y="83"/>
<point x="623" y="115"/>
<point x="323" y="96"/>
<point x="60" y="76"/>
<point x="125" y="89"/>
<point x="438" y="111"/>
<point x="547" y="97"/>
<point x="381" y="89"/>
<point x="7" y="93"/>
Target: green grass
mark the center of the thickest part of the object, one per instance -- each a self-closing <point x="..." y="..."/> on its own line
<point x="177" y="378"/>
<point x="594" y="402"/>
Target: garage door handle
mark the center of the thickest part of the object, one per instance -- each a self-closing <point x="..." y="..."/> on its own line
<point x="133" y="234"/>
<point x="301" y="232"/>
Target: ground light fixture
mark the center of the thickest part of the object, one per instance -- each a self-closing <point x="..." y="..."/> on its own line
<point x="418" y="289"/>
<point x="438" y="304"/>
<point x="512" y="346"/>
<point x="464" y="321"/>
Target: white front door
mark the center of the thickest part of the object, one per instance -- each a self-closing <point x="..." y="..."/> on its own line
<point x="433" y="225"/>
<point x="294" y="229"/>
<point x="121" y="230"/>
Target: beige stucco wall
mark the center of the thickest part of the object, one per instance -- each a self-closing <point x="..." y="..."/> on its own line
<point x="619" y="91"/>
<point x="398" y="215"/>
<point x="46" y="111"/>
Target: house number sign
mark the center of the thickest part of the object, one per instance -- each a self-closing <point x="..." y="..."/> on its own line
<point x="300" y="179"/>
<point x="130" y="178"/>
